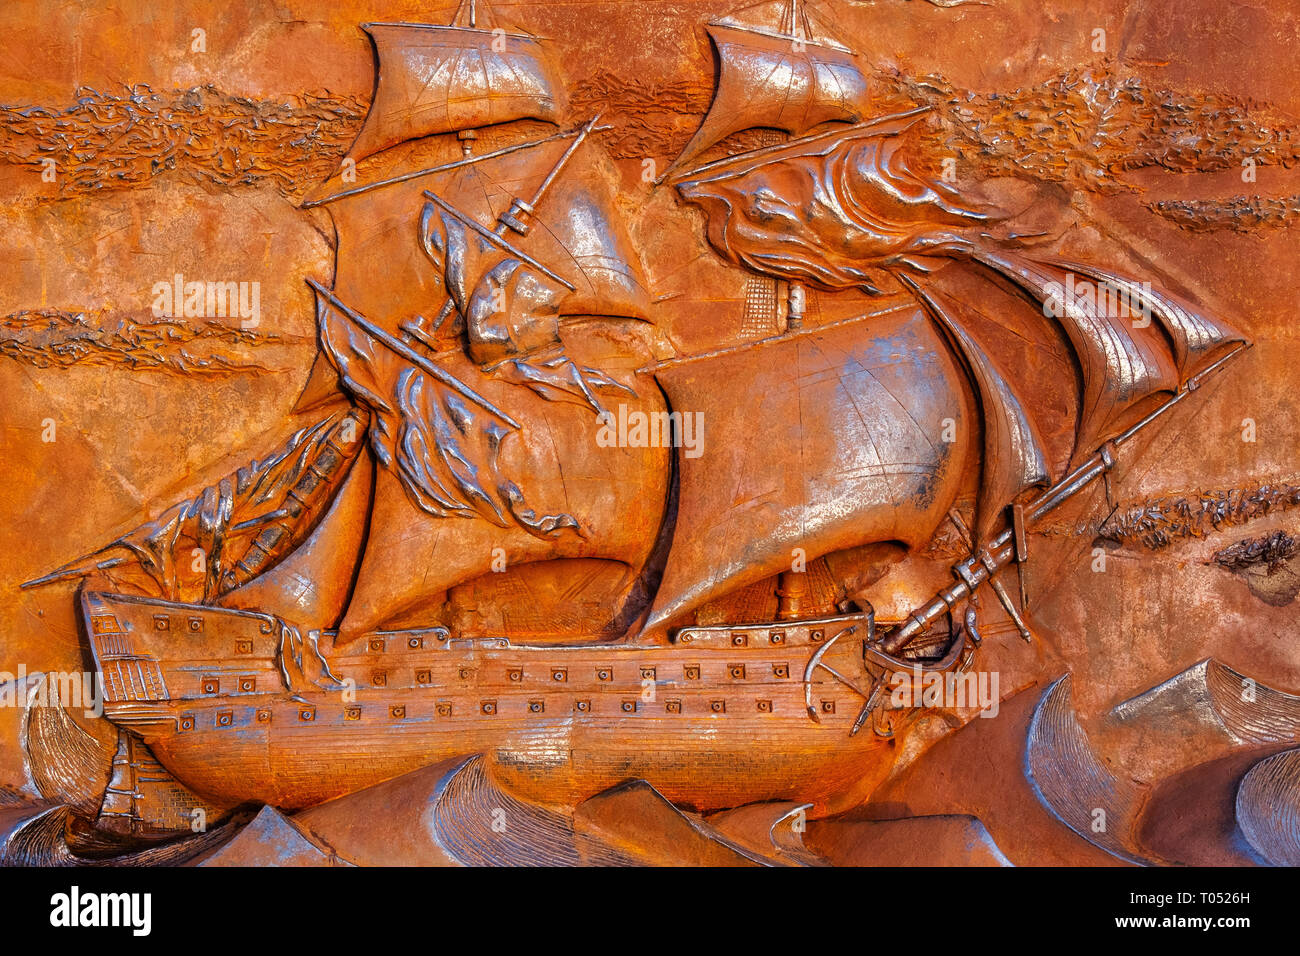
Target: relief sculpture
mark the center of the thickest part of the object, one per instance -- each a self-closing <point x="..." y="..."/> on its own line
<point x="701" y="467"/>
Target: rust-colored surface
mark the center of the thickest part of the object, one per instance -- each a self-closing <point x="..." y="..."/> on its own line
<point x="803" y="433"/>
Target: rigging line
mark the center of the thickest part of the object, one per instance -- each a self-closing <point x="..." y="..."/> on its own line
<point x="756" y="156"/>
<point x="416" y="174"/>
<point x="807" y="24"/>
<point x="496" y="240"/>
<point x="410" y="355"/>
<point x="1162" y="433"/>
<point x="901" y="301"/>
<point x="544" y="227"/>
<point x="496" y="237"/>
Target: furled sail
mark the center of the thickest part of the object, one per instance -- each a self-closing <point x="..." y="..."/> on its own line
<point x="780" y="78"/>
<point x="437" y="435"/>
<point x="442" y="79"/>
<point x="508" y="307"/>
<point x="242" y="526"/>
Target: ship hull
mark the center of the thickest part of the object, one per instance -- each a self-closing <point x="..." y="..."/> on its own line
<point x="719" y="718"/>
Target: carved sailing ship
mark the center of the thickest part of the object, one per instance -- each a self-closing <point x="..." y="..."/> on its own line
<point x="267" y="676"/>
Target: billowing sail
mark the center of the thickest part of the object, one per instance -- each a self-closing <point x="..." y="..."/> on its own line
<point x="1014" y="459"/>
<point x="1197" y="338"/>
<point x="811" y="443"/>
<point x="450" y="234"/>
<point x="440" y="79"/>
<point x="769" y="79"/>
<point x="1121" y="368"/>
<point x="444" y="79"/>
<point x="842" y="210"/>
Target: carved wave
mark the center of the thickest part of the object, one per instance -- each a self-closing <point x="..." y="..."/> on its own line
<point x="482" y="825"/>
<point x="44" y="840"/>
<point x="1073" y="782"/>
<point x="1244" y="214"/>
<point x="1271" y="550"/>
<point x="1268" y="808"/>
<point x="66" y="763"/>
<point x="1252" y="711"/>
<point x="1088" y="128"/>
<point x="1268" y="563"/>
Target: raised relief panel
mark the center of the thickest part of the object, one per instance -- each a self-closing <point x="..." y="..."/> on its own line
<point x="652" y="419"/>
